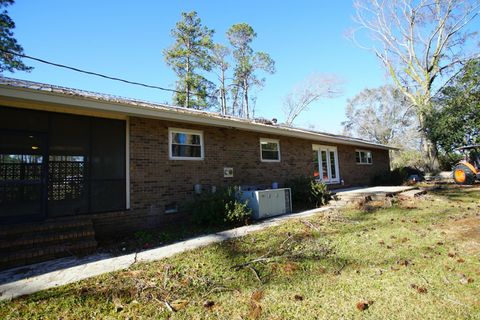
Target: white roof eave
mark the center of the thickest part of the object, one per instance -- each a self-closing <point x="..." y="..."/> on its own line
<point x="140" y="109"/>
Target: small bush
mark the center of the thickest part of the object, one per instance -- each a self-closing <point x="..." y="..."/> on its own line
<point x="300" y="189"/>
<point x="237" y="212"/>
<point x="396" y="177"/>
<point x="308" y="193"/>
<point x="144" y="236"/>
<point x="219" y="208"/>
<point x="448" y="161"/>
<point x="319" y="193"/>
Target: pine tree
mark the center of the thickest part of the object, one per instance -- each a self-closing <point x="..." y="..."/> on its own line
<point x="8" y="44"/>
<point x="189" y="55"/>
<point x="247" y="62"/>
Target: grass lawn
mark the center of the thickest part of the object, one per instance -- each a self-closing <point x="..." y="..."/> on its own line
<point x="418" y="259"/>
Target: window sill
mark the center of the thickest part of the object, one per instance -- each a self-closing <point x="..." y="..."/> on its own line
<point x="186" y="158"/>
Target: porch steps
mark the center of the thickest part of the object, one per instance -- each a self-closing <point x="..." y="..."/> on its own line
<point x="24" y="244"/>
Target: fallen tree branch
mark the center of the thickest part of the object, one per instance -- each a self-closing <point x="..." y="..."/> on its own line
<point x="311" y="225"/>
<point x="285" y="241"/>
<point x="255" y="272"/>
<point x="248" y="263"/>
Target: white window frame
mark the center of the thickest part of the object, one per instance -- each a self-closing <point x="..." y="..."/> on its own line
<point x="187" y="131"/>
<point x="328" y="149"/>
<point x="270" y="141"/>
<point x="360" y="157"/>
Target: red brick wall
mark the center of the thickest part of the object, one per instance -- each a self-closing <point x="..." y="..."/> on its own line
<point x="361" y="174"/>
<point x="156" y="180"/>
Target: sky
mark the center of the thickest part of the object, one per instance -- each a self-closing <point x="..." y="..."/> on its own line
<point x="125" y="39"/>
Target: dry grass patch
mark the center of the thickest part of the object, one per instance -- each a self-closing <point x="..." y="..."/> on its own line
<point x="413" y="260"/>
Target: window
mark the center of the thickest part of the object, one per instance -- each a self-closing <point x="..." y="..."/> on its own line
<point x="185" y="144"/>
<point x="269" y="150"/>
<point x="325" y="164"/>
<point x="363" y="156"/>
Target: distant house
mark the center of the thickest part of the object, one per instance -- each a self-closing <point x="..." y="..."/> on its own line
<point x="96" y="162"/>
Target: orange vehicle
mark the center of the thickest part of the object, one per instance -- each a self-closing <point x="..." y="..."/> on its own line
<point x="468" y="170"/>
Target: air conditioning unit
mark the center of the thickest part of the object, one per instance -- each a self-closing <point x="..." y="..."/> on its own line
<point x="267" y="203"/>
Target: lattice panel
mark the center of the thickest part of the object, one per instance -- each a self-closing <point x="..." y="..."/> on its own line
<point x="66" y="180"/>
<point x="10" y="171"/>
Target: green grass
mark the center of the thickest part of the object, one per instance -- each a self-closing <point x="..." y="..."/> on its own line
<point x="404" y="261"/>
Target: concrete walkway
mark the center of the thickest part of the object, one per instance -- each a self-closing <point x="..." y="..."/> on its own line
<point x="29" y="279"/>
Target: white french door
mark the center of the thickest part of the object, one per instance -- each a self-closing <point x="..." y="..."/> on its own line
<point x="326" y="164"/>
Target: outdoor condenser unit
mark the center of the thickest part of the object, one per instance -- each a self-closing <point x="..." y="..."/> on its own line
<point x="267" y="203"/>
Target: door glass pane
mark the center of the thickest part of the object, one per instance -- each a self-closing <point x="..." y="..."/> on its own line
<point x="323" y="156"/>
<point x="332" y="165"/>
<point x="316" y="168"/>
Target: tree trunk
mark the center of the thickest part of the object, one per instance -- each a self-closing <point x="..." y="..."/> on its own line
<point x="428" y="149"/>
<point x="246" y="111"/>
<point x="235" y="99"/>
<point x="223" y="98"/>
<point x="187" y="84"/>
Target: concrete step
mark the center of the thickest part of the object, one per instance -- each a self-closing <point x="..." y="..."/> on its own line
<point x="29" y="243"/>
<point x="77" y="247"/>
<point x="40" y="239"/>
<point x="22" y="229"/>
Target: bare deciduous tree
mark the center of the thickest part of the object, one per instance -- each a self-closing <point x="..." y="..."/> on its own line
<point x="313" y="88"/>
<point x="383" y="115"/>
<point x="420" y="43"/>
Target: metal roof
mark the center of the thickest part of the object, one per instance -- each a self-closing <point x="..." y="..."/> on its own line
<point x="35" y="91"/>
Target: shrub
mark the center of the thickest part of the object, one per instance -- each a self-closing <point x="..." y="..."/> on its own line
<point x="319" y="193"/>
<point x="144" y="236"/>
<point x="237" y="212"/>
<point x="449" y="160"/>
<point x="396" y="177"/>
<point x="307" y="192"/>
<point x="300" y="189"/>
<point x="219" y="208"/>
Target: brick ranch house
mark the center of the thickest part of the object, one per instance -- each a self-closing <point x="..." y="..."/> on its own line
<point x="84" y="166"/>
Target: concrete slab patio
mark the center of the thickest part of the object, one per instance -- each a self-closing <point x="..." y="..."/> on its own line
<point x="29" y="279"/>
<point x="374" y="193"/>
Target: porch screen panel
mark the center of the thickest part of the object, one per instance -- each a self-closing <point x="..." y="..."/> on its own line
<point x="54" y="164"/>
<point x="108" y="165"/>
<point x="21" y="175"/>
<point x="23" y="120"/>
<point x="68" y="174"/>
